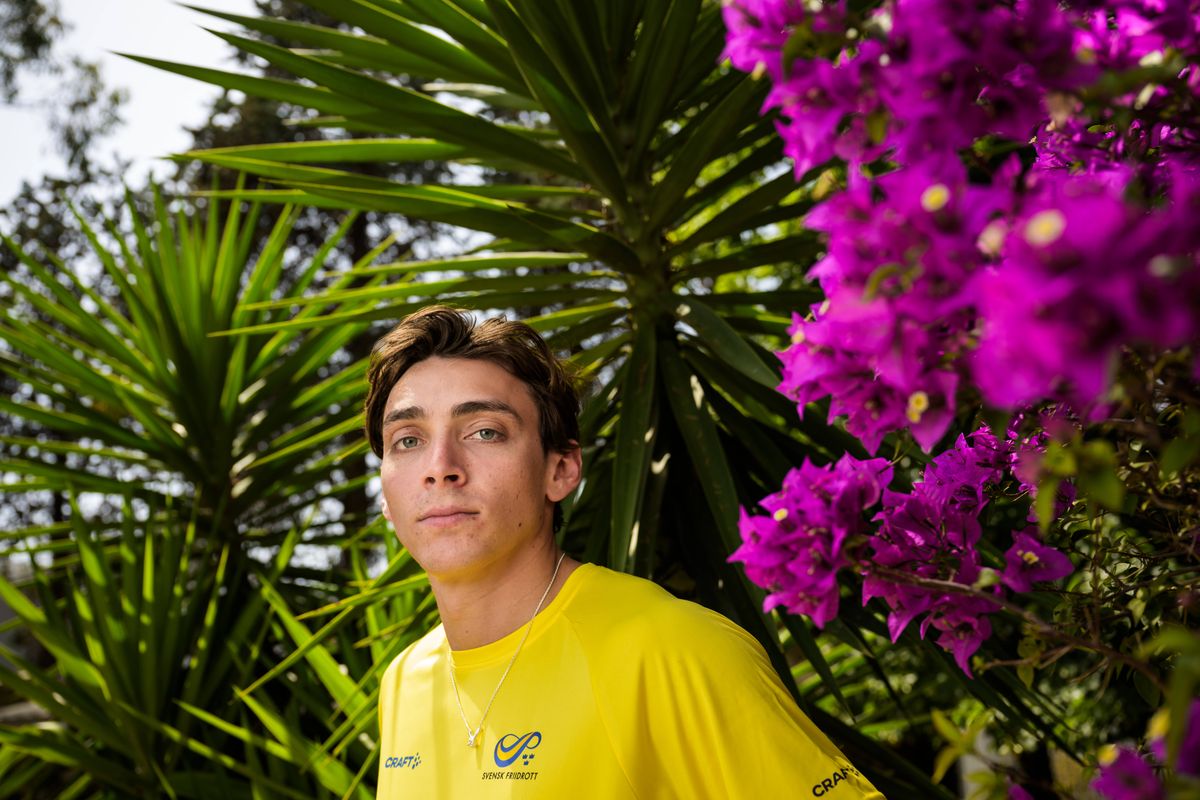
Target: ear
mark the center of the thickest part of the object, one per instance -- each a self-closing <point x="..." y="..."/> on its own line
<point x="387" y="512"/>
<point x="563" y="472"/>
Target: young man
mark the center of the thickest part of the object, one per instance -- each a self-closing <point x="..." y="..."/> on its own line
<point x="548" y="677"/>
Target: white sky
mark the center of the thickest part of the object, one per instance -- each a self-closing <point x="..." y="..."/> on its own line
<point x="160" y="104"/>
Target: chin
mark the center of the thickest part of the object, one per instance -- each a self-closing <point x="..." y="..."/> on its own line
<point x="450" y="562"/>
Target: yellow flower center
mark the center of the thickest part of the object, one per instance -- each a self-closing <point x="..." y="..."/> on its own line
<point x="992" y="238"/>
<point x="798" y="336"/>
<point x="780" y="514"/>
<point x="918" y="404"/>
<point x="1045" y="227"/>
<point x="1029" y="557"/>
<point x="935" y="197"/>
<point x="1159" y="724"/>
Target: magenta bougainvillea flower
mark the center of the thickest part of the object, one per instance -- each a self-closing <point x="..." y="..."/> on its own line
<point x="922" y="548"/>
<point x="1128" y="777"/>
<point x="1029" y="561"/>
<point x="797" y="551"/>
<point x="756" y="32"/>
<point x="961" y="70"/>
<point x="1188" y="761"/>
<point x="1082" y="274"/>
<point x="879" y="369"/>
<point x="901" y="250"/>
<point x="963" y="625"/>
<point x="814" y="101"/>
<point x="1027" y="285"/>
<point x="1126" y="774"/>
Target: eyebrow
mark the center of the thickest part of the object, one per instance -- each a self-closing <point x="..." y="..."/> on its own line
<point x="461" y="410"/>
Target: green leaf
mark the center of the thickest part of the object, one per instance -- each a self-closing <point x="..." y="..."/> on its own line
<point x="724" y="341"/>
<point x="318" y="98"/>
<point x="422" y="115"/>
<point x="945" y="728"/>
<point x="420" y="52"/>
<point x="1178" y="455"/>
<point x="801" y="634"/>
<point x="945" y="759"/>
<point x="1102" y="485"/>
<point x="586" y="131"/>
<point x="56" y="749"/>
<point x="687" y="399"/>
<point x="1046" y="503"/>
<point x="636" y="431"/>
<point x="1146" y="689"/>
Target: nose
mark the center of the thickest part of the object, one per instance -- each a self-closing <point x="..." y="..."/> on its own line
<point x="445" y="464"/>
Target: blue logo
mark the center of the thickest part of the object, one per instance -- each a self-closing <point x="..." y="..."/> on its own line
<point x="511" y="747"/>
<point x="396" y="762"/>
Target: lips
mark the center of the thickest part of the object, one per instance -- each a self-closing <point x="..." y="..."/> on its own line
<point x="448" y="515"/>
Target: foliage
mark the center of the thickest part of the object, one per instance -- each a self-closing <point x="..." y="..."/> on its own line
<point x="1015" y="246"/>
<point x="119" y="377"/>
<point x="222" y="455"/>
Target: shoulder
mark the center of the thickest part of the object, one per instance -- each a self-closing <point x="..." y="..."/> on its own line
<point x="420" y="656"/>
<point x="638" y="617"/>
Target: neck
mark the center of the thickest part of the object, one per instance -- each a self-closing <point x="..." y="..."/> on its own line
<point x="487" y="607"/>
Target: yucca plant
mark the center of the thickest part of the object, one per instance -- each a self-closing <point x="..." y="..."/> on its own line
<point x="150" y="642"/>
<point x="132" y="372"/>
<point x="621" y="175"/>
<point x="212" y="454"/>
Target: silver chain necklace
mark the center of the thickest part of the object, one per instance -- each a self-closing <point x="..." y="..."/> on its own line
<point x="473" y="736"/>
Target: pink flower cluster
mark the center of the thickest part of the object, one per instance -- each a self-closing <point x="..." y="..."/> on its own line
<point x="943" y="73"/>
<point x="1082" y="273"/>
<point x="922" y="549"/>
<point x="814" y="526"/>
<point x="886" y="343"/>
<point x="1025" y="280"/>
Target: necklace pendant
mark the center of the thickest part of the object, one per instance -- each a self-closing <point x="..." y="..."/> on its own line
<point x="471" y="739"/>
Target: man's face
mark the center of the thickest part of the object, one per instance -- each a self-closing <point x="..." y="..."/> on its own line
<point x="466" y="483"/>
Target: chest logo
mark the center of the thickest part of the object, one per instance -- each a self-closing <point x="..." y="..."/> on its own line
<point x="512" y="746"/>
<point x="396" y="762"/>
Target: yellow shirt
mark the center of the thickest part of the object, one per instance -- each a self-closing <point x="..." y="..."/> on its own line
<point x="621" y="691"/>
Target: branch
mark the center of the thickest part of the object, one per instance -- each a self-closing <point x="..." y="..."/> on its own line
<point x="1037" y="623"/>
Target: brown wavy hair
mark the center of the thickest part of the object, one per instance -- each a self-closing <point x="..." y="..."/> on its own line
<point x="452" y="333"/>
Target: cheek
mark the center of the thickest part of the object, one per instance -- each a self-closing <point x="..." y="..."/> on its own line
<point x="391" y="481"/>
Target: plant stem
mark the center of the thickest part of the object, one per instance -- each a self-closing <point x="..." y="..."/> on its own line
<point x="1037" y="623"/>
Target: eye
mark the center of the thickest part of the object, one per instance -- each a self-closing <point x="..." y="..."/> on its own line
<point x="407" y="442"/>
<point x="488" y="435"/>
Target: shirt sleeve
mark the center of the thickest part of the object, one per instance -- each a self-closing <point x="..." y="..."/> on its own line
<point x="711" y="719"/>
